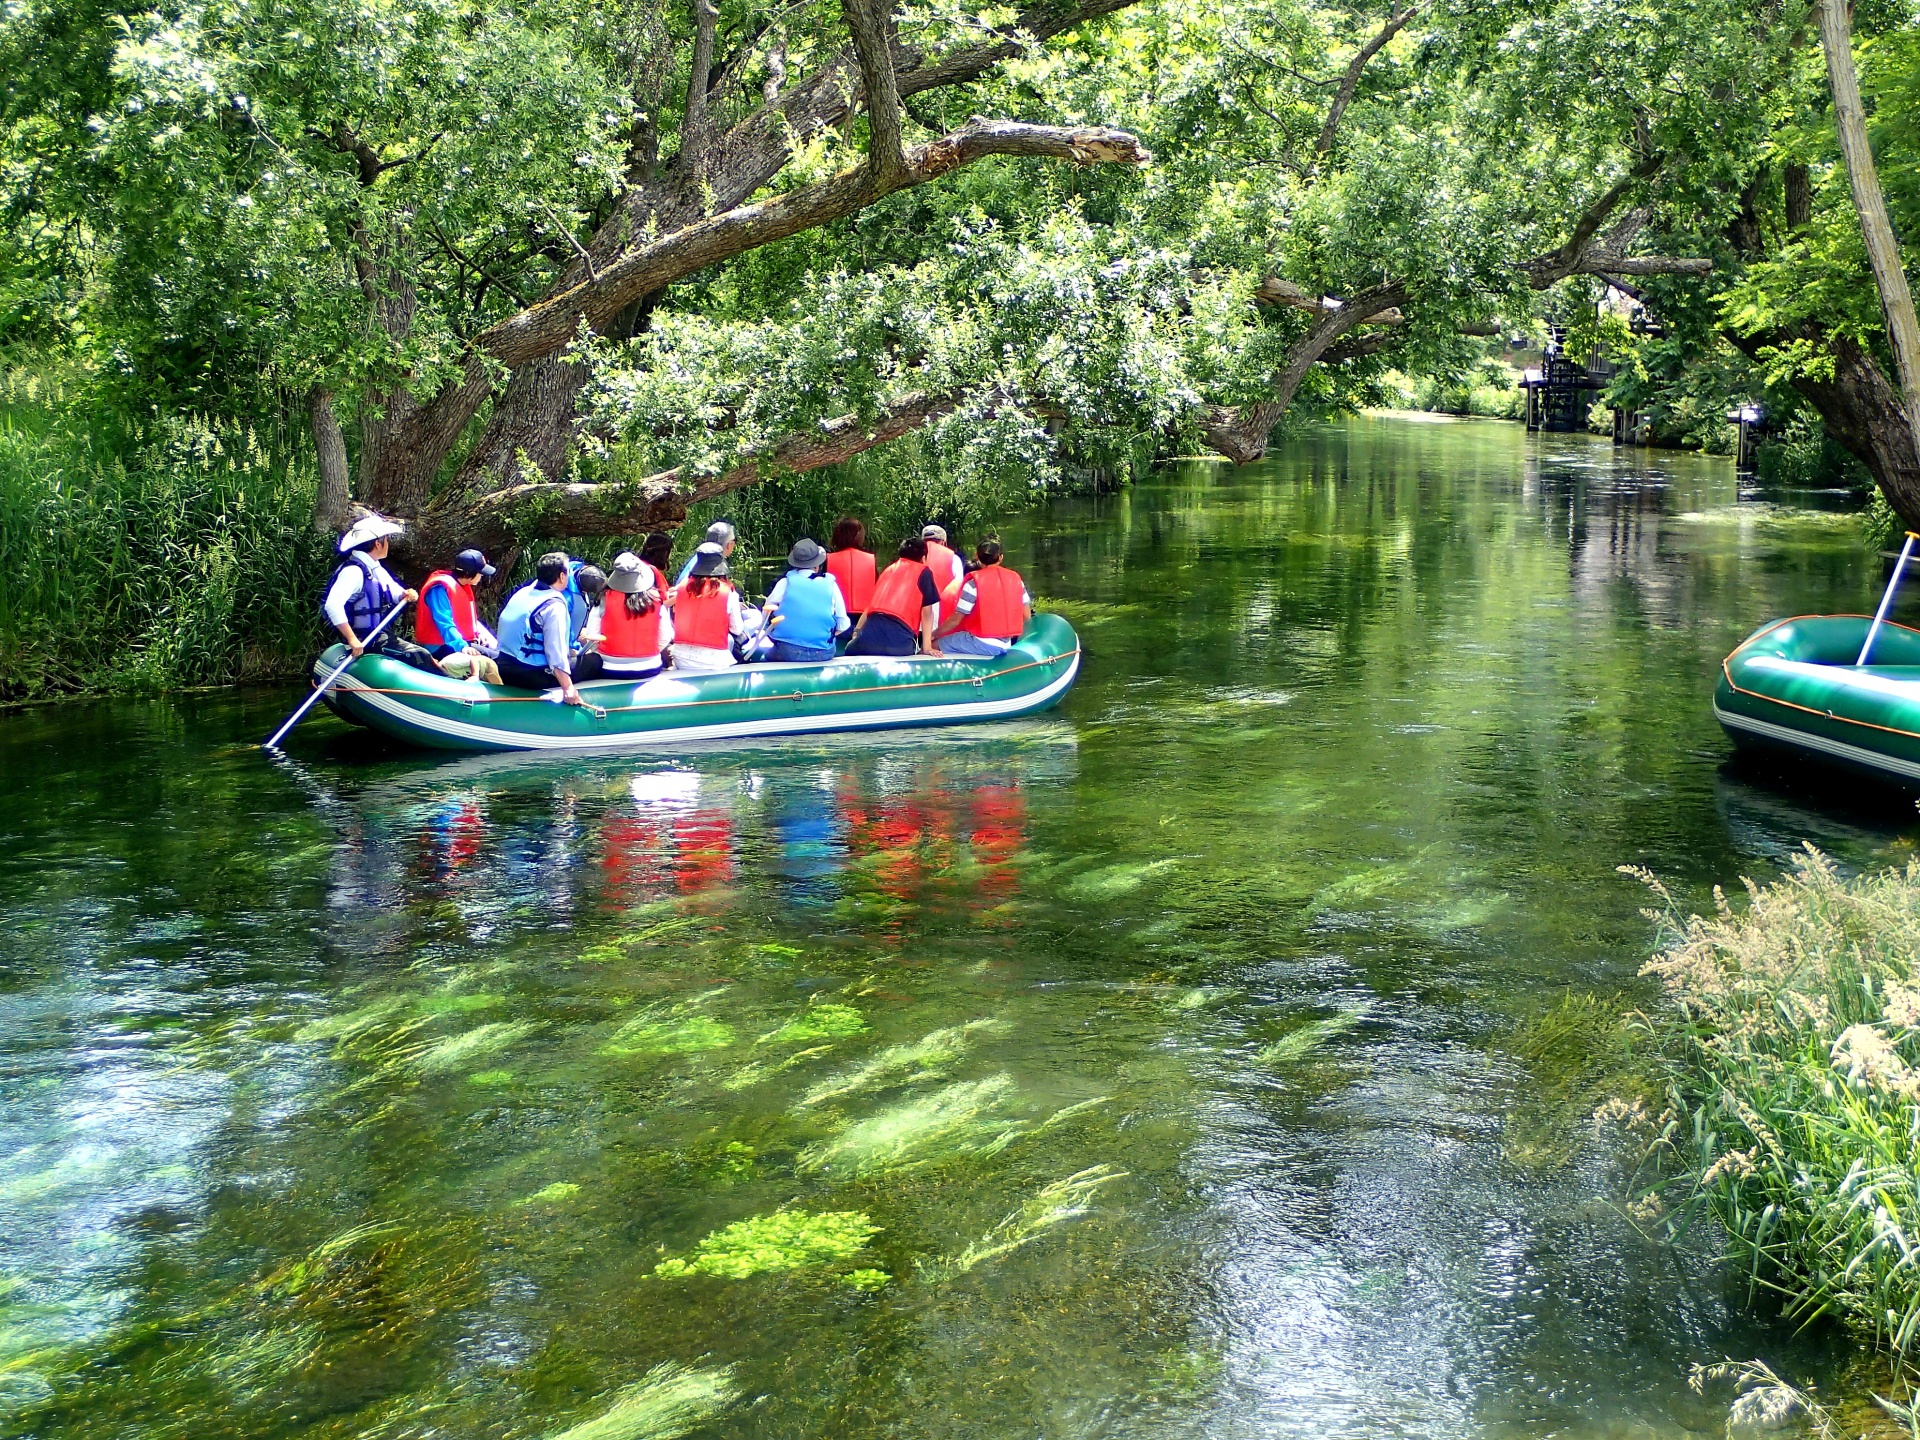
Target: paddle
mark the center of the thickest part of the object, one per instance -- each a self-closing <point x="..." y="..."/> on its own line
<point x="338" y="671"/>
<point x="1886" y="599"/>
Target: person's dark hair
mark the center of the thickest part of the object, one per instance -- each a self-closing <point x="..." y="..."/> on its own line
<point x="989" y="552"/>
<point x="638" y="605"/>
<point x="551" y="567"/>
<point x="658" y="549"/>
<point x="913" y="548"/>
<point x="366" y="546"/>
<point x="848" y="534"/>
<point x="702" y="584"/>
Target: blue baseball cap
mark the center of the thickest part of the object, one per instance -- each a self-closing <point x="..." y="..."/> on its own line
<point x="472" y="562"/>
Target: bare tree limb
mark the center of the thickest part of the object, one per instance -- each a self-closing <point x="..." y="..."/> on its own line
<point x="1275" y="291"/>
<point x="871" y="23"/>
<point x="1350" y="80"/>
<point x="706" y="18"/>
<point x="551" y="325"/>
<point x="1550" y="269"/>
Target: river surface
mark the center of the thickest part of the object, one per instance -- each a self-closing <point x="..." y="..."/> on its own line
<point x="1143" y="1070"/>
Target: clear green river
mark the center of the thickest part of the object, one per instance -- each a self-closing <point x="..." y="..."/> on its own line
<point x="1145" y="1069"/>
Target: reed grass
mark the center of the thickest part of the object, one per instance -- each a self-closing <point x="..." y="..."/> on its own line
<point x="147" y="556"/>
<point x="1792" y="1112"/>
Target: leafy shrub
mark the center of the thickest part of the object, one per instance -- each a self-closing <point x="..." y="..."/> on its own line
<point x="1793" y="1114"/>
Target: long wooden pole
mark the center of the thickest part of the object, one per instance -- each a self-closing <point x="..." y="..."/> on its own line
<point x="1883" y="249"/>
<point x="273" y="741"/>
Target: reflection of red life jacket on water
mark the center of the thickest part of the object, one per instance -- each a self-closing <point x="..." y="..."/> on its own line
<point x="630" y="858"/>
<point x="999" y="831"/>
<point x="999" y="604"/>
<point x="703" y="850"/>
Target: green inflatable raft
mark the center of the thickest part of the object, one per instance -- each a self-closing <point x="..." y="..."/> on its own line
<point x="1792" y="687"/>
<point x="749" y="701"/>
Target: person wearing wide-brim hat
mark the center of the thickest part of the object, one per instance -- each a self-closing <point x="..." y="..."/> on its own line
<point x="707" y="618"/>
<point x="631" y="626"/>
<point x="361" y="593"/>
<point x="805" y="609"/>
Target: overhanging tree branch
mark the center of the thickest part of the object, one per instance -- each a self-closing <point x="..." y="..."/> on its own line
<point x="871" y="25"/>
<point x="1350" y="81"/>
<point x="551" y="325"/>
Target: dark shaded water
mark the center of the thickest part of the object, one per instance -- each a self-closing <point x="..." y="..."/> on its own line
<point x="1138" y="1071"/>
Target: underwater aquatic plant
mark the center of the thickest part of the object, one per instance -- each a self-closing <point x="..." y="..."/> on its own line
<point x="668" y="1401"/>
<point x="1047" y="1207"/>
<point x="784" y="1240"/>
<point x="458" y="1050"/>
<point x="966" y="1118"/>
<point x="1298" y="1044"/>
<point x="1110" y="882"/>
<point x="924" y="1059"/>
<point x="558" y="1190"/>
<point x="827" y="1021"/>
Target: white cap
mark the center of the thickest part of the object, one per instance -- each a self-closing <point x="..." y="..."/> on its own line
<point x="368" y="527"/>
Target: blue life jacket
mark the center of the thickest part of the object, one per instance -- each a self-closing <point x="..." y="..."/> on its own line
<point x="806" y="610"/>
<point x="577" y="607"/>
<point x="377" y="594"/>
<point x="524" y="620"/>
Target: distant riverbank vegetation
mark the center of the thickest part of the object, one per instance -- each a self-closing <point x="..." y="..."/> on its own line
<point x="523" y="272"/>
<point x="1773" y="1091"/>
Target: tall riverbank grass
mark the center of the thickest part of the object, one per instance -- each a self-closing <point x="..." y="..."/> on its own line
<point x="150" y="557"/>
<point x="1795" y="1102"/>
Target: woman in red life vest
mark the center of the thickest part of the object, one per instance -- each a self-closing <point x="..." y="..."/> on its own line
<point x="991" y="610"/>
<point x="631" y="626"/>
<point x="850" y="564"/>
<point x="706" y="614"/>
<point x="948" y="571"/>
<point x="900" y="616"/>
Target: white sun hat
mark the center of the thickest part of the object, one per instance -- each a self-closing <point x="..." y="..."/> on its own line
<point x="368" y="527"/>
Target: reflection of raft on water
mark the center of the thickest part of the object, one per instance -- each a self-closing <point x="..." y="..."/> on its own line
<point x="1794" y="687"/>
<point x="750" y="701"/>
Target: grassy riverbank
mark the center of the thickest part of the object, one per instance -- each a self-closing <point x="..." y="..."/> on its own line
<point x="147" y="556"/>
<point x="1795" y="1025"/>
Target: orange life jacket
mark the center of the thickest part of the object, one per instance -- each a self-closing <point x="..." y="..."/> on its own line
<point x="948" y="576"/>
<point x="897" y="593"/>
<point x="852" y="570"/>
<point x="631" y="637"/>
<point x="702" y="619"/>
<point x="998" y="612"/>
<point x="460" y="596"/>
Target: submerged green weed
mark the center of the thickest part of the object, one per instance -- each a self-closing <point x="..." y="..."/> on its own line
<point x="964" y="1118"/>
<point x="460" y="1050"/>
<point x="1049" y="1206"/>
<point x="667" y="1402"/>
<point x="826" y="1021"/>
<point x="1295" y="1046"/>
<point x="1110" y="882"/>
<point x="924" y="1059"/>
<point x="784" y="1240"/>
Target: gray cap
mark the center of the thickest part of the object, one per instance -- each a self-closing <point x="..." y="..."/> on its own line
<point x="806" y="555"/>
<point x="933" y="532"/>
<point x="631" y="575"/>
<point x="709" y="559"/>
<point x="720" y="533"/>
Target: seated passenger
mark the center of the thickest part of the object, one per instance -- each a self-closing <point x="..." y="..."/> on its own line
<point x="706" y="613"/>
<point x="361" y="594"/>
<point x="947" y="568"/>
<point x="850" y="564"/>
<point x="992" y="609"/>
<point x="631" y="626"/>
<point x="899" y="618"/>
<point x="535" y="639"/>
<point x="805" y="611"/>
<point x="719" y="533"/>
<point x="448" y="623"/>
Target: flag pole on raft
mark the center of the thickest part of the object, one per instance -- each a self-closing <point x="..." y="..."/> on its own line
<point x="307" y="704"/>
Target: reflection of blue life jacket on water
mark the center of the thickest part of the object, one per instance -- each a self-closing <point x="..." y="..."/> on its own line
<point x="806" y="610"/>
<point x="529" y="610"/>
<point x="377" y="594"/>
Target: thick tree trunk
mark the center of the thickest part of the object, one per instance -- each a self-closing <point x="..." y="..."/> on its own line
<point x="332" y="501"/>
<point x="1883" y="249"/>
